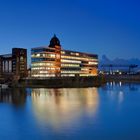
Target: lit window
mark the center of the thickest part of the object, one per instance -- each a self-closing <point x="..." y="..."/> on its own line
<point x="62" y="52"/>
<point x="93" y="63"/>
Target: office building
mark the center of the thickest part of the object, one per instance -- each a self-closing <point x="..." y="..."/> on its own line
<point x="53" y="60"/>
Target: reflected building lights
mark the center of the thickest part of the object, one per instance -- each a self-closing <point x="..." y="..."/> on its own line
<point x="115" y="91"/>
<point x="120" y="83"/>
<point x="121" y="96"/>
<point x="60" y="107"/>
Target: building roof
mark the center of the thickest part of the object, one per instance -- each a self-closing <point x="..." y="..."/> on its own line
<point x="6" y="55"/>
<point x="54" y="42"/>
<point x="84" y="53"/>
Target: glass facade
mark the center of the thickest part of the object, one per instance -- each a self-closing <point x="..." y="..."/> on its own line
<point x="78" y="64"/>
<point x="53" y="61"/>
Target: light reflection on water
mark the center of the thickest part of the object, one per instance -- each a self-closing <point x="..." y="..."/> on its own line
<point x="63" y="107"/>
<point x="111" y="112"/>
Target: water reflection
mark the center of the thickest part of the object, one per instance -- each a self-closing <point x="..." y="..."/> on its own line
<point x="117" y="91"/>
<point x="71" y="114"/>
<point x="62" y="107"/>
<point x="15" y="96"/>
<point x="121" y="96"/>
<point x="113" y="85"/>
<point x="132" y="87"/>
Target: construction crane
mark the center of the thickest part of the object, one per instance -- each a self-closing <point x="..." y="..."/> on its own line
<point x="111" y="66"/>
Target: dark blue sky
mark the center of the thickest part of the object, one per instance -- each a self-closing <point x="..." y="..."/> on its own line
<point x="110" y="27"/>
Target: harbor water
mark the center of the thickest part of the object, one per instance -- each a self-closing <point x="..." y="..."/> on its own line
<point x="110" y="112"/>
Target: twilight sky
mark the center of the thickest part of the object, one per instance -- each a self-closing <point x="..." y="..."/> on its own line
<point x="110" y="27"/>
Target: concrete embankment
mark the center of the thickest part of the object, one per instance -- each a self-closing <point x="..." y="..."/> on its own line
<point x="123" y="78"/>
<point x="61" y="82"/>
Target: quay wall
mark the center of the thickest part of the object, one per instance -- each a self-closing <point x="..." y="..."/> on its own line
<point x="123" y="78"/>
<point x="61" y="82"/>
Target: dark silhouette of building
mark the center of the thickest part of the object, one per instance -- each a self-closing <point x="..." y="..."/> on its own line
<point x="54" y="42"/>
<point x="14" y="65"/>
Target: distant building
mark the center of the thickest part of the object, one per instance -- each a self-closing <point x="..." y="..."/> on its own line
<point x="14" y="65"/>
<point x="54" y="61"/>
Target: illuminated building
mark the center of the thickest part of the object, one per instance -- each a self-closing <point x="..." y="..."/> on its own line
<point x="14" y="65"/>
<point x="54" y="61"/>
